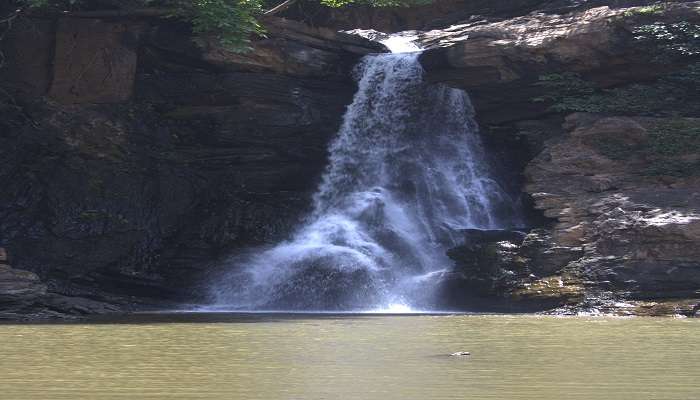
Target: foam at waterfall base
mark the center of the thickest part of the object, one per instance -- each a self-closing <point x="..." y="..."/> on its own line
<point x="406" y="173"/>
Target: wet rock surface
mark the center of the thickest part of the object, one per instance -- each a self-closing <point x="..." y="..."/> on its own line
<point x="638" y="232"/>
<point x="124" y="178"/>
<point x="620" y="212"/>
<point x="622" y="241"/>
<point x="24" y="296"/>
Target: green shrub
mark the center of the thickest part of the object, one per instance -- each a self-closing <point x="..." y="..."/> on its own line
<point x="672" y="167"/>
<point x="675" y="137"/>
<point x="654" y="9"/>
<point x="676" y="94"/>
<point x="666" y="147"/>
<point x="614" y="148"/>
<point x="671" y="39"/>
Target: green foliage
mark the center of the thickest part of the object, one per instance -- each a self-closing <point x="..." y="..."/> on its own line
<point x="670" y="148"/>
<point x="655" y="9"/>
<point x="672" y="167"/>
<point x="676" y="39"/>
<point x="676" y="137"/>
<point x="566" y="91"/>
<point x="676" y="94"/>
<point x="614" y="148"/>
<point x="232" y="21"/>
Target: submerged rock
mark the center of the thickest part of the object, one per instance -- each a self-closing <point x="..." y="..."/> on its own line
<point x="19" y="290"/>
<point x="24" y="296"/>
<point x="324" y="287"/>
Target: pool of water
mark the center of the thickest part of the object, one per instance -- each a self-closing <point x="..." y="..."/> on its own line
<point x="352" y="357"/>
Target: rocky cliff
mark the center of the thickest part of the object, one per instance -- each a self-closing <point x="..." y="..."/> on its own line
<point x="618" y="187"/>
<point x="133" y="156"/>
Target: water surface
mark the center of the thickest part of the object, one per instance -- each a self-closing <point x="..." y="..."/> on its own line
<point x="353" y="357"/>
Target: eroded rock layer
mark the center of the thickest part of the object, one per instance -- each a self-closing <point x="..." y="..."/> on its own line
<point x="618" y="188"/>
<point x="134" y="156"/>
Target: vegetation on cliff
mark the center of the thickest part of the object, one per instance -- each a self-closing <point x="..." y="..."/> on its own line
<point x="232" y="21"/>
<point x="673" y="96"/>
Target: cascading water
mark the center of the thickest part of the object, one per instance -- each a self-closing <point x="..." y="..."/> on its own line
<point x="407" y="172"/>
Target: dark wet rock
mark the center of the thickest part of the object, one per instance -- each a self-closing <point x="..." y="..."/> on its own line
<point x="78" y="305"/>
<point x="317" y="287"/>
<point x="23" y="295"/>
<point x="546" y="256"/>
<point x="485" y="264"/>
<point x="142" y="167"/>
<point x="497" y="269"/>
<point x="124" y="193"/>
<point x="478" y="237"/>
<point x="95" y="61"/>
<point x="19" y="289"/>
<point x="27" y="69"/>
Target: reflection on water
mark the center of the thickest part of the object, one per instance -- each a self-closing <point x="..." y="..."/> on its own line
<point x="354" y="357"/>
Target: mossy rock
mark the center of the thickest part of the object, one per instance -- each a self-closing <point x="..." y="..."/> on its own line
<point x="555" y="290"/>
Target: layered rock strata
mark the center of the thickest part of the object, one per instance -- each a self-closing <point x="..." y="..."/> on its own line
<point x="133" y="156"/>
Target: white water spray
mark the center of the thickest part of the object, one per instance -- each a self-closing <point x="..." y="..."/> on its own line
<point x="406" y="173"/>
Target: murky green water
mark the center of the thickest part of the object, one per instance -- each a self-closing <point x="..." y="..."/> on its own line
<point x="370" y="357"/>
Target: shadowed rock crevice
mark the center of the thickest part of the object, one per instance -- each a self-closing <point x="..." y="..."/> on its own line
<point x="145" y="156"/>
<point x="136" y="160"/>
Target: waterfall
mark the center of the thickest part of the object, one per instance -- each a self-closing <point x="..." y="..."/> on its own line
<point x="406" y="172"/>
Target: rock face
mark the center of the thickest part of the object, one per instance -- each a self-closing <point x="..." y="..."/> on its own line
<point x="619" y="193"/>
<point x="150" y="155"/>
<point x="437" y="14"/>
<point x="24" y="296"/>
<point x="624" y="240"/>
<point x="95" y="61"/>
<point x="134" y="157"/>
<point x="638" y="230"/>
<point x="502" y="271"/>
<point x="486" y="58"/>
<point x="19" y="289"/>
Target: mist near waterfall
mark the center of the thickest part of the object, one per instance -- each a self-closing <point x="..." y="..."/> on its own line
<point x="406" y="172"/>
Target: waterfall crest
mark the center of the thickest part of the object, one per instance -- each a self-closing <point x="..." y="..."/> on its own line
<point x="406" y="172"/>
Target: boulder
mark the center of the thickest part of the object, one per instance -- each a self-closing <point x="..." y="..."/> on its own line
<point x="619" y="224"/>
<point x="19" y="290"/>
<point x="485" y="265"/>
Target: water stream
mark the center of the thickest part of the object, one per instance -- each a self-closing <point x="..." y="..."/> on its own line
<point x="406" y="173"/>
